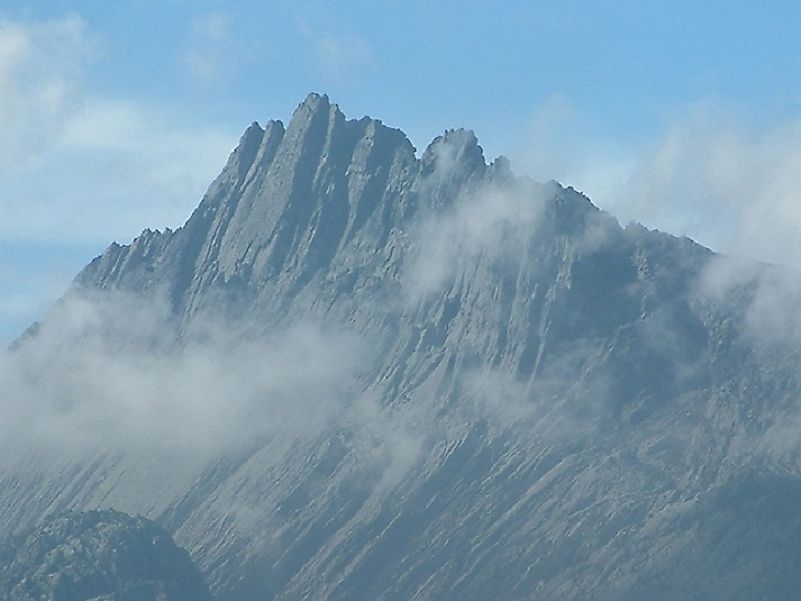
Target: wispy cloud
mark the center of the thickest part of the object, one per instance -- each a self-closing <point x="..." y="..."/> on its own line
<point x="488" y="225"/>
<point x="338" y="56"/>
<point x="735" y="187"/>
<point x="31" y="280"/>
<point x="709" y="176"/>
<point x="104" y="374"/>
<point x="42" y="65"/>
<point x="127" y="164"/>
<point x="554" y="144"/>
<point x="211" y="52"/>
<point x="81" y="169"/>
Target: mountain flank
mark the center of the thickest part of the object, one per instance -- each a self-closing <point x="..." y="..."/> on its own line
<point x="363" y="372"/>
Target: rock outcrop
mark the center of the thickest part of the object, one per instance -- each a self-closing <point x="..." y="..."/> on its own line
<point x="99" y="556"/>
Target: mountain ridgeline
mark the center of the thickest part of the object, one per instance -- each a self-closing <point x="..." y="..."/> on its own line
<point x="473" y="386"/>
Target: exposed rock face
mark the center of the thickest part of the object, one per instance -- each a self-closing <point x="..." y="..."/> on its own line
<point x="99" y="556"/>
<point x="566" y="410"/>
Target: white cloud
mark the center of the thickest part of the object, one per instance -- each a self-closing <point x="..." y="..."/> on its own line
<point x="769" y="297"/>
<point x="736" y="189"/>
<point x="709" y="176"/>
<point x="554" y="145"/>
<point x="547" y="152"/>
<point x="75" y="166"/>
<point x="42" y="66"/>
<point x="490" y="224"/>
<point x="103" y="374"/>
<point x="79" y="169"/>
<point x="211" y="52"/>
<point x="29" y="285"/>
<point x="340" y="56"/>
<point x="116" y="168"/>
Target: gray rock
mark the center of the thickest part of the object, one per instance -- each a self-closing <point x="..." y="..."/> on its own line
<point x="564" y="410"/>
<point x="98" y="555"/>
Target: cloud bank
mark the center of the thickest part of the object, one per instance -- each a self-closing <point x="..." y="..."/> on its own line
<point x="709" y="175"/>
<point x="104" y="374"/>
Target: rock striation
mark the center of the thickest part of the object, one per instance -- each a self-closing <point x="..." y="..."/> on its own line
<point x="559" y="407"/>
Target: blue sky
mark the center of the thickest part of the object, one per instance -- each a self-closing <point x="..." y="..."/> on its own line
<point x="114" y="116"/>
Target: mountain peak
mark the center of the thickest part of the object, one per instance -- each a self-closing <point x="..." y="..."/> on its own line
<point x="314" y="99"/>
<point x="455" y="144"/>
<point x="253" y="129"/>
<point x="313" y="105"/>
<point x="488" y="361"/>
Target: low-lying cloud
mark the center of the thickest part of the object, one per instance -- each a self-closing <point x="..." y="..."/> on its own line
<point x="709" y="175"/>
<point x="734" y="188"/>
<point x="492" y="223"/>
<point x="768" y="296"/>
<point x="104" y="374"/>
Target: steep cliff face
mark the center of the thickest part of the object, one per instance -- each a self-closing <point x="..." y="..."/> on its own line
<point x="540" y="403"/>
<point x="102" y="555"/>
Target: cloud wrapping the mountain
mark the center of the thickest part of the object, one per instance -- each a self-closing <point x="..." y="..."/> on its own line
<point x="491" y="224"/>
<point x="708" y="175"/>
<point x="104" y="375"/>
<point x="734" y="188"/>
<point x="769" y="295"/>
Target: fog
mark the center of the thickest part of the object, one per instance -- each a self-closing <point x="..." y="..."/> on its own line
<point x="491" y="223"/>
<point x="105" y="373"/>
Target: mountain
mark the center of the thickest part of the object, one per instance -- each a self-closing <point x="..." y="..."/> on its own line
<point x="100" y="555"/>
<point x="359" y="373"/>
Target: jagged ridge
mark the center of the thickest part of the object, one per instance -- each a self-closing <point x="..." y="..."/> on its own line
<point x="581" y="404"/>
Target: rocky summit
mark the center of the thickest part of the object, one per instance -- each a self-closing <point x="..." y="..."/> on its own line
<point x="360" y="372"/>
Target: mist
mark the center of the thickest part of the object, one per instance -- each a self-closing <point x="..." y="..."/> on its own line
<point x="105" y="373"/>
